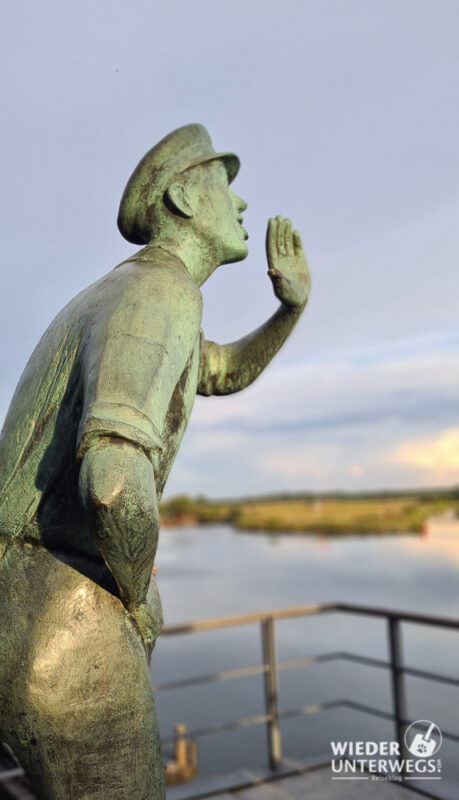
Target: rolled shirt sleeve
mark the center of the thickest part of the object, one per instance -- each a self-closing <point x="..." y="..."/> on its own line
<point x="118" y="419"/>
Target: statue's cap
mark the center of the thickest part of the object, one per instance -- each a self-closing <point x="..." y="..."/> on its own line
<point x="179" y="151"/>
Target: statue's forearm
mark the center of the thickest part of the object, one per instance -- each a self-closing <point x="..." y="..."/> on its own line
<point x="117" y="489"/>
<point x="230" y="368"/>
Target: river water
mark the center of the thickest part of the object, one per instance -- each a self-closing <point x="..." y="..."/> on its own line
<point x="213" y="571"/>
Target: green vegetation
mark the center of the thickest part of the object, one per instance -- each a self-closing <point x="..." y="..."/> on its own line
<point x="200" y="511"/>
<point x="337" y="513"/>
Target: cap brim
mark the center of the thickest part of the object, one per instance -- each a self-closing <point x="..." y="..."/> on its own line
<point x="232" y="164"/>
<point x="230" y="160"/>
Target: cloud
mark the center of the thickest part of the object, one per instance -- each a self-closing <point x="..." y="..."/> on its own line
<point x="438" y="455"/>
<point x="356" y="419"/>
<point x="402" y="383"/>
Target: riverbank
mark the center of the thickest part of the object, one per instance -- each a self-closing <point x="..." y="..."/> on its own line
<point x="329" y="514"/>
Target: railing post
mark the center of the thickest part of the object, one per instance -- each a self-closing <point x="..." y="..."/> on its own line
<point x="398" y="683"/>
<point x="271" y="698"/>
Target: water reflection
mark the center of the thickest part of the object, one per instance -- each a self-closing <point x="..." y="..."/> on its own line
<point x="213" y="571"/>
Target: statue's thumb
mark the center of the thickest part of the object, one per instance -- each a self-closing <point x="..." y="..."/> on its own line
<point x="275" y="275"/>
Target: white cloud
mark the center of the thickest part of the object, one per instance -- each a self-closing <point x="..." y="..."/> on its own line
<point x="437" y="455"/>
<point x="357" y="419"/>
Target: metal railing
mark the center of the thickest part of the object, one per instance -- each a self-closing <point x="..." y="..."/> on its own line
<point x="269" y="668"/>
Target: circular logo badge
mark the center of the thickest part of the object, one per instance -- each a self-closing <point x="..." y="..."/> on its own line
<point x="423" y="738"/>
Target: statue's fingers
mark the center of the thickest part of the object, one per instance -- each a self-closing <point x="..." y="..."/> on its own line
<point x="271" y="245"/>
<point x="288" y="238"/>
<point x="280" y="236"/>
<point x="297" y="242"/>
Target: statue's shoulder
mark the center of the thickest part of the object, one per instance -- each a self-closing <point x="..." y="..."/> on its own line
<point x="143" y="296"/>
<point x="154" y="275"/>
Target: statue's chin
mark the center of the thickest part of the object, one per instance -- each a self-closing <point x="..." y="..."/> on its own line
<point x="238" y="255"/>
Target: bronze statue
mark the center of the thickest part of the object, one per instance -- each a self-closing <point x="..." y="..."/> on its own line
<point x="87" y="445"/>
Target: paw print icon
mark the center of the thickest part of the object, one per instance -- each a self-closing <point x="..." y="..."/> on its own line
<point x="422" y="746"/>
<point x="423" y="738"/>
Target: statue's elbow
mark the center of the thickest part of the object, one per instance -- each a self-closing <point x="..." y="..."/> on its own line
<point x="117" y="479"/>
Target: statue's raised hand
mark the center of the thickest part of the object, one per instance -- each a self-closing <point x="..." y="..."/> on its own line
<point x="288" y="268"/>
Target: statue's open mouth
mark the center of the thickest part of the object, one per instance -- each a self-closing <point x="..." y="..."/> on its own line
<point x="240" y="219"/>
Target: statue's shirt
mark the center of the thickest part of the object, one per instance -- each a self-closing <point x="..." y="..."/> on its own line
<point x="120" y="360"/>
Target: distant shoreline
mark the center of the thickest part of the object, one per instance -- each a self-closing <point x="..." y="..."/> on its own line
<point x="327" y="514"/>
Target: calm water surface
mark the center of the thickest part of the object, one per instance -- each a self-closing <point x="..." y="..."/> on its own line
<point x="213" y="571"/>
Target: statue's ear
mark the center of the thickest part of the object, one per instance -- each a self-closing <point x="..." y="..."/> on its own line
<point x="177" y="200"/>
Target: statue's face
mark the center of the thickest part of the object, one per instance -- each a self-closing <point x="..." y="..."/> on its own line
<point x="218" y="213"/>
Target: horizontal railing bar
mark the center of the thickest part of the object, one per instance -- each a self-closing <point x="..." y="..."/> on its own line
<point x="369" y="662"/>
<point x="339" y="655"/>
<point x="261" y="719"/>
<point x="309" y="610"/>
<point x="403" y="616"/>
<point x="243" y="672"/>
<point x="219" y="727"/>
<point x="256" y="720"/>
<point x="415" y="673"/>
<point x="305" y="661"/>
<point x="247" y="619"/>
<point x="311" y="709"/>
<point x="430" y="676"/>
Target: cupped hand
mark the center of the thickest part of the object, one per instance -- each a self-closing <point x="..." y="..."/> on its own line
<point x="288" y="268"/>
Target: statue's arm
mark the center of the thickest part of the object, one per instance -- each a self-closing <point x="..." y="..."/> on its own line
<point x="134" y="359"/>
<point x="118" y="492"/>
<point x="229" y="368"/>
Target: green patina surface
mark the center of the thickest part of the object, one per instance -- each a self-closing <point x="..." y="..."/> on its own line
<point x="86" y="448"/>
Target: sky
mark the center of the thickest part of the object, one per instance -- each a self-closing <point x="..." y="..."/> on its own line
<point x="345" y="116"/>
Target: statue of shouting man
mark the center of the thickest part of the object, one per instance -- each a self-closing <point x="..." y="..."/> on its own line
<point x="87" y="445"/>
